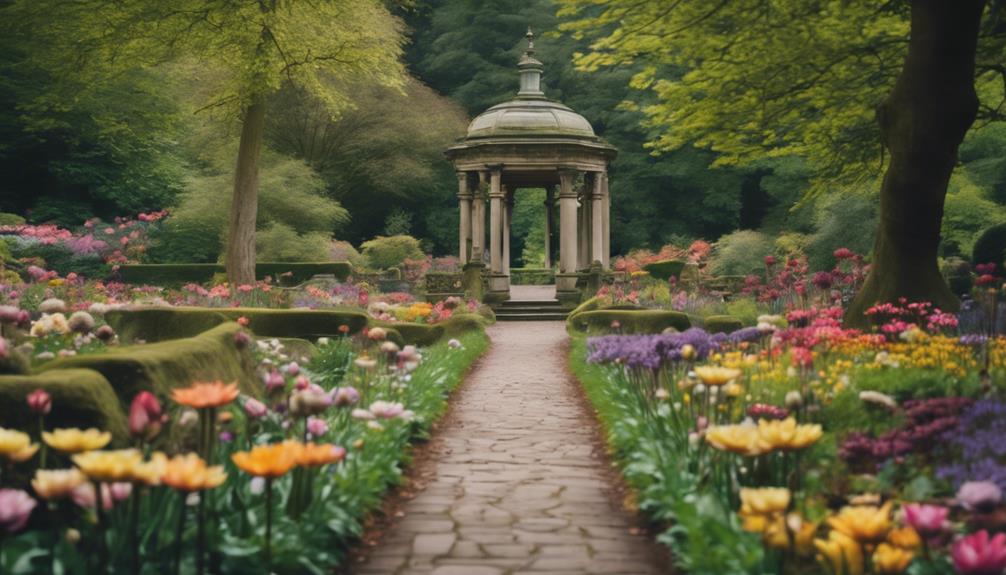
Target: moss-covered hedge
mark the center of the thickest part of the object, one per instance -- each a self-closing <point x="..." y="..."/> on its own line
<point x="462" y="323"/>
<point x="413" y="333"/>
<point x="160" y="367"/>
<point x="665" y="269"/>
<point x="631" y="321"/>
<point x="286" y="273"/>
<point x="80" y="398"/>
<point x="721" y="324"/>
<point x="163" y="323"/>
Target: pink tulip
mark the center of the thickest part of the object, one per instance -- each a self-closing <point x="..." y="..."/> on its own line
<point x="40" y="402"/>
<point x="15" y="509"/>
<point x="977" y="554"/>
<point x="274" y="380"/>
<point x="145" y="416"/>
<point x="316" y="427"/>
<point x="928" y="520"/>
<point x="254" y="408"/>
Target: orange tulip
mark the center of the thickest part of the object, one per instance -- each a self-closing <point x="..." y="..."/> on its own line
<point x="202" y="395"/>
<point x="313" y="455"/>
<point x="190" y="473"/>
<point x="269" y="461"/>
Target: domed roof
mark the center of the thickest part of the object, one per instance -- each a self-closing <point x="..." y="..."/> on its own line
<point x="530" y="114"/>
<point x="530" y="117"/>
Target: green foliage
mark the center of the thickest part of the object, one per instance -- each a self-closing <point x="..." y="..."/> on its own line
<point x="629" y="321"/>
<point x="10" y="219"/>
<point x="665" y="269"/>
<point x="281" y="243"/>
<point x="721" y="324"/>
<point x="990" y="247"/>
<point x="744" y="309"/>
<point x="965" y="214"/>
<point x="398" y="222"/>
<point x="387" y="252"/>
<point x="842" y="221"/>
<point x="62" y="259"/>
<point x="741" y="253"/>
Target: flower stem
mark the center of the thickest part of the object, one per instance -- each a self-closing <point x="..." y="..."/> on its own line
<point x="200" y="532"/>
<point x="134" y="527"/>
<point x="179" y="530"/>
<point x="268" y="523"/>
<point x="99" y="512"/>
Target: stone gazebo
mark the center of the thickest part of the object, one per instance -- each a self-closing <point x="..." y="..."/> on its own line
<point x="533" y="142"/>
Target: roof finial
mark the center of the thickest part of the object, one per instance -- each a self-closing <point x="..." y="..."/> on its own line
<point x="530" y="70"/>
<point x="530" y="41"/>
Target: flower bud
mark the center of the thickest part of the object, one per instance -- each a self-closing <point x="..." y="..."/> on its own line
<point x="39" y="402"/>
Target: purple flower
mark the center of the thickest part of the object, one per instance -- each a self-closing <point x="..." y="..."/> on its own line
<point x="343" y="396"/>
<point x="255" y="408"/>
<point x="15" y="509"/>
<point x="316" y="427"/>
<point x="274" y="380"/>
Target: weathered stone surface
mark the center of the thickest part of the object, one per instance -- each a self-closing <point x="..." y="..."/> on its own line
<point x="519" y="485"/>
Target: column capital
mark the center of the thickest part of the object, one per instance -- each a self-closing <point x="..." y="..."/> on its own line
<point x="464" y="186"/>
<point x="566" y="180"/>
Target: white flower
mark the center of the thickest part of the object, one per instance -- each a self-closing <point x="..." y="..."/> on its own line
<point x="98" y="308"/>
<point x="878" y="398"/>
<point x="52" y="305"/>
<point x="362" y="414"/>
<point x="454" y="344"/>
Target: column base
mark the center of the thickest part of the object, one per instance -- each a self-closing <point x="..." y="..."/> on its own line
<point x="499" y="288"/>
<point x="471" y="280"/>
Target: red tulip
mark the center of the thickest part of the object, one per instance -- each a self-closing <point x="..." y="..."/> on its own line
<point x="977" y="554"/>
<point x="40" y="402"/>
<point x="145" y="416"/>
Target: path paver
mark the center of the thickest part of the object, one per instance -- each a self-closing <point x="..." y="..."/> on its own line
<point x="518" y="485"/>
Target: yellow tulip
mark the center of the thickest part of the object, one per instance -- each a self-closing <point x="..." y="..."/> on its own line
<point x="16" y="446"/>
<point x="841" y="553"/>
<point x="764" y="500"/>
<point x="740" y="439"/>
<point x="891" y="559"/>
<point x="905" y="537"/>
<point x="109" y="466"/>
<point x="190" y="473"/>
<point x="150" y="472"/>
<point x="864" y="524"/>
<point x="787" y="435"/>
<point x="56" y="484"/>
<point x="269" y="461"/>
<point x="716" y="375"/>
<point x="76" y="440"/>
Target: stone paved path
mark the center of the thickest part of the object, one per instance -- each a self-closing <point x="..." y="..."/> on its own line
<point x="518" y="485"/>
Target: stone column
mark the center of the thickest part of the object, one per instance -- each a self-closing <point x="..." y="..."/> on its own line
<point x="567" y="223"/>
<point x="549" y="204"/>
<point x="465" y="231"/>
<point x="583" y="245"/>
<point x="479" y="220"/>
<point x="507" y="218"/>
<point x="495" y="223"/>
<point x="605" y="221"/>
<point x="597" y="220"/>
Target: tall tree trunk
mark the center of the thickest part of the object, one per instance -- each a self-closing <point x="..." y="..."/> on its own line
<point x="244" y="203"/>
<point x="923" y="121"/>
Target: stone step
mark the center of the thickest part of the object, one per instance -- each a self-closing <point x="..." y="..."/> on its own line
<point x="531" y="309"/>
<point x="538" y="316"/>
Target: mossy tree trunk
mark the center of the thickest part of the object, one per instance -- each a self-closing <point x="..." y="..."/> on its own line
<point x="923" y="121"/>
<point x="244" y="203"/>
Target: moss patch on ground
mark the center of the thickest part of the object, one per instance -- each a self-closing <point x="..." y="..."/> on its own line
<point x="160" y="367"/>
<point x="80" y="398"/>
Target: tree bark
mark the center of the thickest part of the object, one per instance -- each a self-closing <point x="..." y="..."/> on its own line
<point x="922" y="121"/>
<point x="244" y="202"/>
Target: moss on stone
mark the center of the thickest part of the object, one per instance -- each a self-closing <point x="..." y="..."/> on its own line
<point x="665" y="269"/>
<point x="413" y="333"/>
<point x="631" y="321"/>
<point x="80" y="398"/>
<point x="721" y="324"/>
<point x="163" y="323"/>
<point x="160" y="367"/>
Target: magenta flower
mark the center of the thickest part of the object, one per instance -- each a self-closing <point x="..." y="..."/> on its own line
<point x="274" y="380"/>
<point x="145" y="416"/>
<point x="39" y="402"/>
<point x="977" y="554"/>
<point x="255" y="408"/>
<point x="344" y="396"/>
<point x="316" y="427"/>
<point x="15" y="509"/>
<point x="928" y="520"/>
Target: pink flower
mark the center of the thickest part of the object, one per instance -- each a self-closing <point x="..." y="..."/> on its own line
<point x="316" y="427"/>
<point x="9" y="314"/>
<point x="274" y="380"/>
<point x="255" y="408"/>
<point x="843" y="254"/>
<point x="344" y="396"/>
<point x="770" y="260"/>
<point x="145" y="416"/>
<point x="292" y="369"/>
<point x="15" y="509"/>
<point x="39" y="401"/>
<point x="977" y="554"/>
<point x="928" y="520"/>
<point x="979" y="495"/>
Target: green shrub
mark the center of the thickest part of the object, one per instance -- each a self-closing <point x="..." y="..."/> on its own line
<point x="842" y="221"/>
<point x="287" y="273"/>
<point x="631" y="321"/>
<point x="990" y="247"/>
<point x="281" y="243"/>
<point x="741" y="253"/>
<point x="792" y="244"/>
<point x="165" y="323"/>
<point x="722" y="324"/>
<point x="388" y="252"/>
<point x="161" y="367"/>
<point x="80" y="398"/>
<point x="413" y="333"/>
<point x="462" y="323"/>
<point x="8" y="219"/>
<point x="745" y="309"/>
<point x="665" y="269"/>
<point x="61" y="258"/>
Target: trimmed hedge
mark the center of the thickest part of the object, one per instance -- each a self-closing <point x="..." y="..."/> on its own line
<point x="632" y="321"/>
<point x="722" y="324"/>
<point x="665" y="269"/>
<point x="163" y="323"/>
<point x="412" y="333"/>
<point x="461" y="323"/>
<point x="286" y="273"/>
<point x="160" y="367"/>
<point x="80" y="398"/>
<point x="990" y="247"/>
